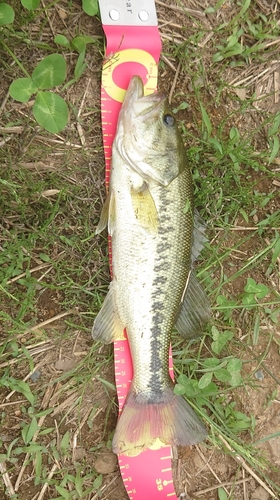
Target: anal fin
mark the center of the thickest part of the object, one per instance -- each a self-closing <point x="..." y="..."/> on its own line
<point x="108" y="326"/>
<point x="195" y="310"/>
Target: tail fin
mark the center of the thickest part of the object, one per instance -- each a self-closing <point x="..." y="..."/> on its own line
<point x="142" y="423"/>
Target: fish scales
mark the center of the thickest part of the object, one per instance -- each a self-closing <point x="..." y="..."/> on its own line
<point x="150" y="219"/>
<point x="154" y="278"/>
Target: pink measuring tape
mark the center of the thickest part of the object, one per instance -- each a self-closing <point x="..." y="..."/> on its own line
<point x="133" y="48"/>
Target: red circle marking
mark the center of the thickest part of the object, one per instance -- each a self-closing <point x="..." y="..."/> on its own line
<point x="122" y="73"/>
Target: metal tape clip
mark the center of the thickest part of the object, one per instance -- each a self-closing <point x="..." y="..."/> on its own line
<point x="128" y="12"/>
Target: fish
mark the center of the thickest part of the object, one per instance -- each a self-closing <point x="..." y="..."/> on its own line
<point x="150" y="217"/>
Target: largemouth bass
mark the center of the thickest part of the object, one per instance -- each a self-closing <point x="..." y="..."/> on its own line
<point x="149" y="213"/>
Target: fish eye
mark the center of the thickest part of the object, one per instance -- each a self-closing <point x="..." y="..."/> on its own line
<point x="168" y="120"/>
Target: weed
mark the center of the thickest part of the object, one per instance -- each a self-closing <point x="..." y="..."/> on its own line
<point x="49" y="109"/>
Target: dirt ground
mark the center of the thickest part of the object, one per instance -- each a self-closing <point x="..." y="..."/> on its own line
<point x="60" y="342"/>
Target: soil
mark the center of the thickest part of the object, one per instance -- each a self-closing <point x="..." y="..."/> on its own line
<point x="89" y="415"/>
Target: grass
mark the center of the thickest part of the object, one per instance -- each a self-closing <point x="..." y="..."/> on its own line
<point x="54" y="271"/>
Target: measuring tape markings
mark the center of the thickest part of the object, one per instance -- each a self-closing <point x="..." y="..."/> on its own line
<point x="132" y="50"/>
<point x="150" y="483"/>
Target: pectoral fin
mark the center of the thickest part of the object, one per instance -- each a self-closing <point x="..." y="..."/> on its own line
<point x="144" y="208"/>
<point x="108" y="217"/>
<point x="108" y="326"/>
<point x="195" y="310"/>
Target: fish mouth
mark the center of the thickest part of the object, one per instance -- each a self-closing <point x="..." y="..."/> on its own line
<point x="137" y="105"/>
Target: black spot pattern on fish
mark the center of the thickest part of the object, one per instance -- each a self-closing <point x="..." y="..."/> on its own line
<point x="162" y="247"/>
<point x="160" y="280"/>
<point x="163" y="266"/>
<point x="157" y="306"/>
<point x="159" y="366"/>
<point x="165" y="217"/>
<point x="156" y="383"/>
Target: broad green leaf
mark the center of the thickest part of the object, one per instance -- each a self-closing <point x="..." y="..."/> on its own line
<point x="237" y="49"/>
<point x="217" y="145"/>
<point x="80" y="42"/>
<point x="50" y="72"/>
<point x="220" y="342"/>
<point x="80" y="66"/>
<point x="235" y="160"/>
<point x="205" y="380"/>
<point x="79" y="485"/>
<point x="226" y="306"/>
<point x="44" y="257"/>
<point x="38" y="468"/>
<point x="67" y="241"/>
<point x="234" y="365"/>
<point x="46" y="431"/>
<point x="241" y="416"/>
<point x="179" y="389"/>
<point x="206" y="119"/>
<point x="65" y="443"/>
<point x="97" y="483"/>
<point x="30" y="4"/>
<point x="62" y="491"/>
<point x="28" y="431"/>
<point x="274" y="129"/>
<point x="236" y="379"/>
<point x="263" y="291"/>
<point x="31" y="448"/>
<point x="50" y="111"/>
<point x="23" y="388"/>
<point x="245" y="216"/>
<point x="210" y="390"/>
<point x="274" y="148"/>
<point x="217" y="57"/>
<point x="276" y="249"/>
<point x="62" y="40"/>
<point x="232" y="40"/>
<point x="7" y="14"/>
<point x="183" y="105"/>
<point x="274" y="315"/>
<point x="22" y="89"/>
<point x="90" y="7"/>
<point x="258" y="289"/>
<point x="188" y="386"/>
<point x="234" y="135"/>
<point x="251" y="286"/>
<point x="239" y="425"/>
<point x="215" y="332"/>
<point x="223" y="301"/>
<point x="254" y="49"/>
<point x="14" y="347"/>
<point x="183" y="379"/>
<point x="211" y="362"/>
<point x="44" y="412"/>
<point x="222" y="375"/>
<point x="222" y="494"/>
<point x="209" y="10"/>
<point x="245" y="7"/>
<point x="248" y="301"/>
